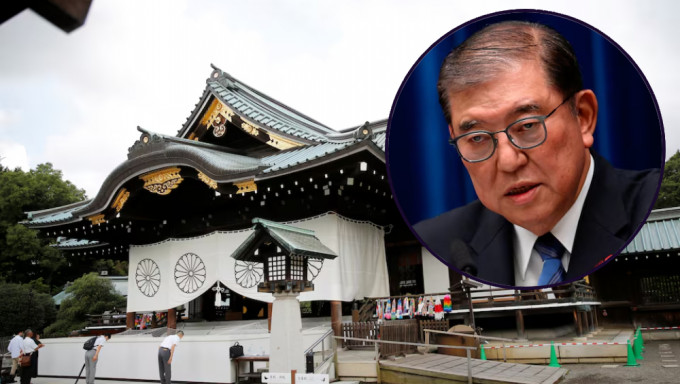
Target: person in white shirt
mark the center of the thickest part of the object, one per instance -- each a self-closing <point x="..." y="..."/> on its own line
<point x="92" y="356"/>
<point x="165" y="352"/>
<point x="29" y="346"/>
<point x="16" y="347"/>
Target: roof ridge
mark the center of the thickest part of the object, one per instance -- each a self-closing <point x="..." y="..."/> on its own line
<point x="241" y="84"/>
<point x="273" y="224"/>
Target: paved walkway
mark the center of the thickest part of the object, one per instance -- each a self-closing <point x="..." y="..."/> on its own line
<point x="661" y="365"/>
<point x="448" y="369"/>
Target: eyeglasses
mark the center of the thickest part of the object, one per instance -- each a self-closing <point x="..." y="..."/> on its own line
<point x="526" y="133"/>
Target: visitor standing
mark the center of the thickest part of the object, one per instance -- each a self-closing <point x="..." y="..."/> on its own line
<point x="29" y="347"/>
<point x="16" y="346"/>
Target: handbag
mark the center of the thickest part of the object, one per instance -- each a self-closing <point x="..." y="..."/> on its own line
<point x="26" y="360"/>
<point x="235" y="350"/>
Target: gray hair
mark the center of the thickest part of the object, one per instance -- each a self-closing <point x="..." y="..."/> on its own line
<point x="498" y="47"/>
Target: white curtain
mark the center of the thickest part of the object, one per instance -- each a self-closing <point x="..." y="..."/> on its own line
<point x="171" y="273"/>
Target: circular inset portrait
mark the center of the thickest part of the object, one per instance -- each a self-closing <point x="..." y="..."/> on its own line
<point x="524" y="149"/>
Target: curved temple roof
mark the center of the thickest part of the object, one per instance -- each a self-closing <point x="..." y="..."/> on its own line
<point x="314" y="144"/>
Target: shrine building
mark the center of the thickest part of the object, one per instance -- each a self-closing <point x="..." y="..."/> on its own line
<point x="179" y="206"/>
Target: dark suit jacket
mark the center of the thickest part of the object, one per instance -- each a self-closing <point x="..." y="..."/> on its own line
<point x="617" y="203"/>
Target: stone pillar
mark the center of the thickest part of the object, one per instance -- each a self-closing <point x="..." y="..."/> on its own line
<point x="172" y="318"/>
<point x="286" y="347"/>
<point x="130" y="320"/>
<point x="336" y="317"/>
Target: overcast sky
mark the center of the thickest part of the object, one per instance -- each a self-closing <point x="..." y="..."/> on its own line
<point x="76" y="99"/>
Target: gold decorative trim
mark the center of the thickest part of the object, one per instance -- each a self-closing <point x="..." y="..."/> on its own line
<point x="219" y="113"/>
<point x="120" y="200"/>
<point x="209" y="115"/>
<point x="204" y="178"/>
<point x="215" y="113"/>
<point x="97" y="219"/>
<point x="249" y="128"/>
<point x="281" y="142"/>
<point x="162" y="182"/>
<point x="246" y="186"/>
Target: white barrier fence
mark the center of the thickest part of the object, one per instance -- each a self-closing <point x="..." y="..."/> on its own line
<point x="198" y="358"/>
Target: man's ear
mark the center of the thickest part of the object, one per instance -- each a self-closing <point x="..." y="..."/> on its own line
<point x="586" y="108"/>
<point x="451" y="131"/>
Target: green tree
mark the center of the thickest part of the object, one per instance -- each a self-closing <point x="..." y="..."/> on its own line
<point x="23" y="307"/>
<point x="669" y="194"/>
<point x="24" y="256"/>
<point x="89" y="294"/>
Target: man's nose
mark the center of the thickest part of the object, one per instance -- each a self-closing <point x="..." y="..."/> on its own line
<point x="509" y="157"/>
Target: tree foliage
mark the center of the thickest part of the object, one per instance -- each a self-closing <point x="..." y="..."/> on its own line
<point x="24" y="256"/>
<point x="22" y="306"/>
<point x="89" y="294"/>
<point x="669" y="194"/>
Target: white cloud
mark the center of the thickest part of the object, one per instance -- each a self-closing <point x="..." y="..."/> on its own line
<point x="13" y="155"/>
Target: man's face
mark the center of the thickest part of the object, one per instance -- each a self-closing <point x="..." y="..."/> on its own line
<point x="532" y="188"/>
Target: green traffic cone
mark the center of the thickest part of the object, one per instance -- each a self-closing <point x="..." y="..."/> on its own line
<point x="553" y="356"/>
<point x="482" y="354"/>
<point x="642" y="342"/>
<point x="631" y="357"/>
<point x="637" y="348"/>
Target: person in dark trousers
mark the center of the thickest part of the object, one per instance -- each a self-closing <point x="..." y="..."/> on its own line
<point x="92" y="356"/>
<point x="29" y="348"/>
<point x="36" y="340"/>
<point x="165" y="353"/>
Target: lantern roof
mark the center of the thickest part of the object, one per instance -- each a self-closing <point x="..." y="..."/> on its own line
<point x="293" y="240"/>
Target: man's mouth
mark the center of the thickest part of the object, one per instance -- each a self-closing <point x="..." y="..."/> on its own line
<point x="520" y="190"/>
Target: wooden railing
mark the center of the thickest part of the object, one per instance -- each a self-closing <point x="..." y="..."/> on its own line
<point x="365" y="330"/>
<point x="495" y="297"/>
<point x="405" y="331"/>
<point x="107" y="319"/>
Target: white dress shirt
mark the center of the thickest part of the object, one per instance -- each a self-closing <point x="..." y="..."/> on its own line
<point x="169" y="341"/>
<point x="15" y="346"/>
<point x="528" y="263"/>
<point x="100" y="340"/>
<point x="29" y="345"/>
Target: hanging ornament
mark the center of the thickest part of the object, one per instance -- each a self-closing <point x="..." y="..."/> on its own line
<point x="394" y="309"/>
<point x="400" y="310"/>
<point x="421" y="307"/>
<point x="430" y="307"/>
<point x="448" y="306"/>
<point x="438" y="310"/>
<point x="407" y="308"/>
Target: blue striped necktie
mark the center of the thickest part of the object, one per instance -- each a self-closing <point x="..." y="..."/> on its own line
<point x="551" y="250"/>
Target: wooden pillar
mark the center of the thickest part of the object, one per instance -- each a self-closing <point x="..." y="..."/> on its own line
<point x="172" y="318"/>
<point x="595" y="323"/>
<point x="130" y="320"/>
<point x="270" y="307"/>
<point x="591" y="314"/>
<point x="355" y="312"/>
<point x="577" y="323"/>
<point x="519" y="319"/>
<point x="586" y="321"/>
<point x="336" y="317"/>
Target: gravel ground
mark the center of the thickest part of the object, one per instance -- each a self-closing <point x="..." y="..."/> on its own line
<point x="658" y="353"/>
